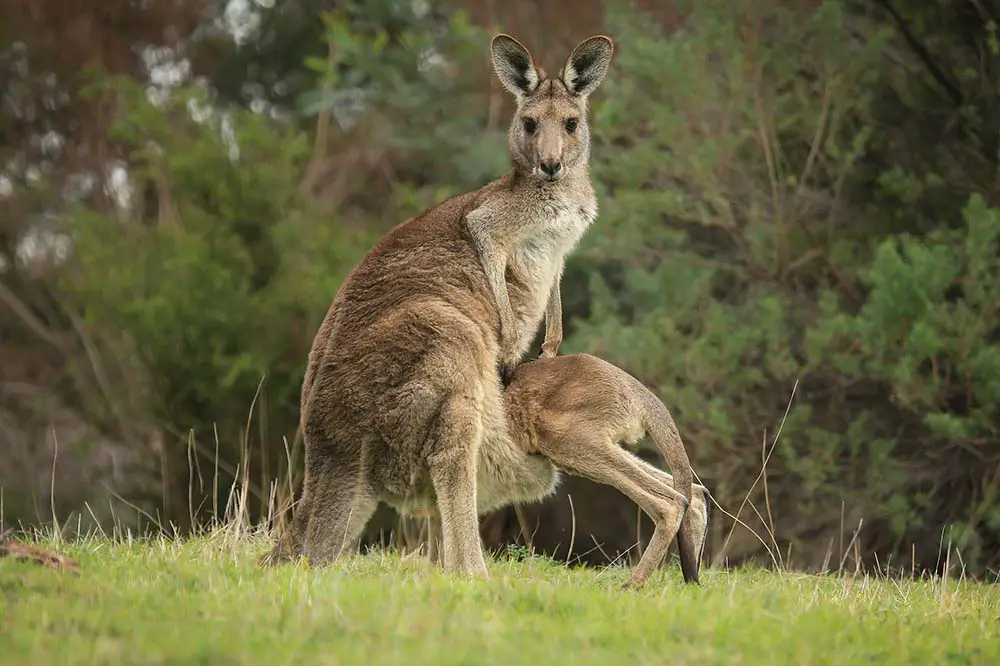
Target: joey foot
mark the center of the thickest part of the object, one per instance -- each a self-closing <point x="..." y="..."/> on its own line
<point x="507" y="372"/>
<point x="508" y="363"/>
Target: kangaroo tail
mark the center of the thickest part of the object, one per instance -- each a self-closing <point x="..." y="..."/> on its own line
<point x="660" y="426"/>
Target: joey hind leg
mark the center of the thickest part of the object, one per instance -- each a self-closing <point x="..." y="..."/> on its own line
<point x="694" y="527"/>
<point x="453" y="468"/>
<point x="668" y="526"/>
<point x="606" y="463"/>
<point x="340" y="506"/>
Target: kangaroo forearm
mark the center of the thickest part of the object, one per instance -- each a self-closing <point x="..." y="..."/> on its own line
<point x="508" y="325"/>
<point x="494" y="263"/>
<point x="553" y="321"/>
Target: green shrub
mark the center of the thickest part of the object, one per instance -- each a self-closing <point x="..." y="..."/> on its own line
<point x="738" y="252"/>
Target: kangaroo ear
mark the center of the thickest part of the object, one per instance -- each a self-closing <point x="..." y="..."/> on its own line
<point x="586" y="66"/>
<point x="514" y="65"/>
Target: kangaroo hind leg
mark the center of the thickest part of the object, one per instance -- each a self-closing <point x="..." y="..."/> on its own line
<point x="453" y="468"/>
<point x="340" y="505"/>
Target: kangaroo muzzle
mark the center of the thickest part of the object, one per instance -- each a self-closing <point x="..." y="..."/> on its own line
<point x="550" y="148"/>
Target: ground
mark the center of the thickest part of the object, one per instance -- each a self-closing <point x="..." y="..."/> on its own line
<point x="205" y="601"/>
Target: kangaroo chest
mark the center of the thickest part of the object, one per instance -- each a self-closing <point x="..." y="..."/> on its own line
<point x="537" y="258"/>
<point x="547" y="242"/>
<point x="532" y="236"/>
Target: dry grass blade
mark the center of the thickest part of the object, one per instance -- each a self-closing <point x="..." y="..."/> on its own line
<point x="572" y="534"/>
<point x="46" y="558"/>
<point x="522" y="522"/>
<point x="746" y="498"/>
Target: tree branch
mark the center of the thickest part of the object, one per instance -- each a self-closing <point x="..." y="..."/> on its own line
<point x="923" y="53"/>
<point x="30" y="320"/>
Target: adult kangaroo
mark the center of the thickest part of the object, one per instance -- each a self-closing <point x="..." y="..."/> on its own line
<point x="402" y="391"/>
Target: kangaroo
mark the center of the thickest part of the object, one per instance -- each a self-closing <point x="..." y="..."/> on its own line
<point x="402" y="401"/>
<point x="574" y="410"/>
<point x="569" y="413"/>
<point x="550" y="140"/>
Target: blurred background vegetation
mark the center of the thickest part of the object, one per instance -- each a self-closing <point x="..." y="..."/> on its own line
<point x="800" y="210"/>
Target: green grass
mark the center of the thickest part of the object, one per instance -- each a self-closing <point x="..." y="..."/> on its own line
<point x="205" y="601"/>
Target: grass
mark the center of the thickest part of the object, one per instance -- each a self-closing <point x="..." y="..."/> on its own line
<point x="205" y="601"/>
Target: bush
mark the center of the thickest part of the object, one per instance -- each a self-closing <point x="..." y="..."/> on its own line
<point x="793" y="197"/>
<point x="224" y="287"/>
<point x="737" y="254"/>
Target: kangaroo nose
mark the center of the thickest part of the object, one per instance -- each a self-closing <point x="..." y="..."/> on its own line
<point x="551" y="167"/>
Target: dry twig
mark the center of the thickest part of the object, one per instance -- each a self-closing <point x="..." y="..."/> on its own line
<point x="46" y="558"/>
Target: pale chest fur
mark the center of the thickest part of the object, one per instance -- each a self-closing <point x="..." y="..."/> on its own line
<point x="527" y="239"/>
<point x="538" y="255"/>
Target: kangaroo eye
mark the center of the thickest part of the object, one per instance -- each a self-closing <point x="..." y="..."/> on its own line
<point x="529" y="125"/>
<point x="571" y="125"/>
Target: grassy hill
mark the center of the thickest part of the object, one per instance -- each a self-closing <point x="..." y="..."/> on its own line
<point x="205" y="601"/>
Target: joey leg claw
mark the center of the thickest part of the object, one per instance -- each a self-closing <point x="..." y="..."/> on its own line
<point x="507" y="372"/>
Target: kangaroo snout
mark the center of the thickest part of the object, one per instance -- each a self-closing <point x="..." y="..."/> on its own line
<point x="551" y="168"/>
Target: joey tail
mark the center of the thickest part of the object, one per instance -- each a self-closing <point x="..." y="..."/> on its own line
<point x="691" y="541"/>
<point x="660" y="426"/>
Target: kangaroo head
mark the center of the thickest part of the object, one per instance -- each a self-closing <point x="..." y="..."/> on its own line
<point x="549" y="136"/>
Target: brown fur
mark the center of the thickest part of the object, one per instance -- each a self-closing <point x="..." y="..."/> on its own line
<point x="570" y="413"/>
<point x="401" y="400"/>
<point x="575" y="410"/>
